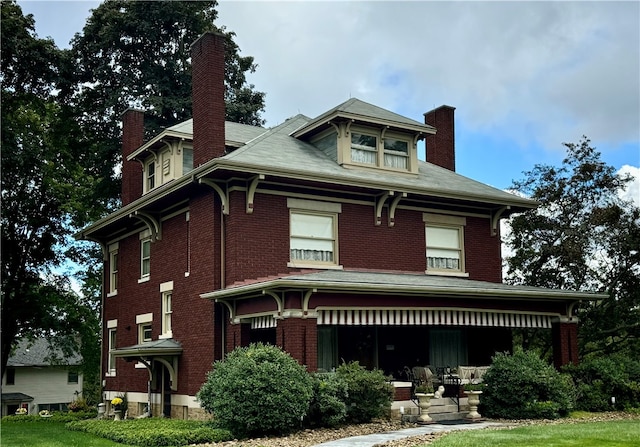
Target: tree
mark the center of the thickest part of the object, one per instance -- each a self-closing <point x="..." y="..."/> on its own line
<point x="583" y="236"/>
<point x="137" y="54"/>
<point x="42" y="183"/>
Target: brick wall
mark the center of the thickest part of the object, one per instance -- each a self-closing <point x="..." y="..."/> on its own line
<point x="483" y="253"/>
<point x="299" y="337"/>
<point x="565" y="343"/>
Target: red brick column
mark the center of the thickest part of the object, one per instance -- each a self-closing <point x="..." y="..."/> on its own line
<point x="238" y="334"/>
<point x="564" y="335"/>
<point x="299" y="337"/>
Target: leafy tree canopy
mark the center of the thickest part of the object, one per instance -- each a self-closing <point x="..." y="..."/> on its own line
<point x="137" y="54"/>
<point x="43" y="187"/>
<point x="582" y="237"/>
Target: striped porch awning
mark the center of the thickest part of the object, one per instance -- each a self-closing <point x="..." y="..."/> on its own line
<point x="263" y="322"/>
<point x="429" y="317"/>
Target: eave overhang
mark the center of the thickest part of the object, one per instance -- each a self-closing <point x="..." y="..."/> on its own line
<point x="147" y="147"/>
<point x="158" y="348"/>
<point x="399" y="284"/>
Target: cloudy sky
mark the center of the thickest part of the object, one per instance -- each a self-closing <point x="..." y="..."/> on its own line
<point x="524" y="77"/>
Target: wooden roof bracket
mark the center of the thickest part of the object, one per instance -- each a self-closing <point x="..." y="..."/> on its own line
<point x="394" y="206"/>
<point x="230" y="308"/>
<point x="224" y="195"/>
<point x="305" y="301"/>
<point x="278" y="299"/>
<point x="380" y="200"/>
<point x="251" y="191"/>
<point x="495" y="219"/>
<point x="152" y="223"/>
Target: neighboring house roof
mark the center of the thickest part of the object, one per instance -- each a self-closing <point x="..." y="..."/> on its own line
<point x="358" y="281"/>
<point x="38" y="353"/>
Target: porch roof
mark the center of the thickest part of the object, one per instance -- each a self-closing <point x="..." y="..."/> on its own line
<point x="164" y="347"/>
<point x="397" y="283"/>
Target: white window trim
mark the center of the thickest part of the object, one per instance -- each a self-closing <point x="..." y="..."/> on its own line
<point x="166" y="288"/>
<point x="112" y="326"/>
<point x="451" y="222"/>
<point x="147" y="165"/>
<point x="113" y="252"/>
<point x="145" y="236"/>
<point x="317" y="208"/>
<point x="380" y="135"/>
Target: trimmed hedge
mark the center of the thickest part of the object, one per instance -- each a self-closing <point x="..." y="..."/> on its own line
<point x="523" y="386"/>
<point x="257" y="390"/>
<point x="56" y="416"/>
<point x="370" y="393"/>
<point x="153" y="431"/>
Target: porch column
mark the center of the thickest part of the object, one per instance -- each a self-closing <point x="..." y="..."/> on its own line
<point x="238" y="334"/>
<point x="564" y="333"/>
<point x="299" y="337"/>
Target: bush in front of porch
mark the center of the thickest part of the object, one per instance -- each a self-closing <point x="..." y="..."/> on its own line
<point x="523" y="386"/>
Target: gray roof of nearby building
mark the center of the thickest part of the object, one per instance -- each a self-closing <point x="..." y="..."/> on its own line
<point x="235" y="132"/>
<point x="402" y="283"/>
<point x="38" y="353"/>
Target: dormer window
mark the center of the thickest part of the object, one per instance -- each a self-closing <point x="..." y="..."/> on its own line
<point x="150" y="173"/>
<point x="396" y="153"/>
<point x="364" y="148"/>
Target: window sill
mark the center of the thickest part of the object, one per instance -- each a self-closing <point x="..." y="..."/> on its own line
<point x="144" y="279"/>
<point x="310" y="265"/>
<point x="445" y="273"/>
<point x="165" y="336"/>
<point x="110" y="294"/>
<point x="110" y="374"/>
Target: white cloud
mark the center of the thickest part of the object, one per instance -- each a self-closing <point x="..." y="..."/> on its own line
<point x="632" y="191"/>
<point x="547" y="71"/>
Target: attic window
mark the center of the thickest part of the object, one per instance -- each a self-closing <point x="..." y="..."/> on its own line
<point x="396" y="153"/>
<point x="364" y="148"/>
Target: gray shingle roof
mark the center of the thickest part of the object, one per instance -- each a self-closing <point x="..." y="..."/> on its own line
<point x="39" y="353"/>
<point x="235" y="132"/>
<point x="401" y="282"/>
<point x="276" y="151"/>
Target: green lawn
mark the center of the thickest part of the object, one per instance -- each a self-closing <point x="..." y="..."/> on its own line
<point x="624" y="433"/>
<point x="49" y="434"/>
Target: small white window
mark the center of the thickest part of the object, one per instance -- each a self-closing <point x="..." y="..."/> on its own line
<point x="364" y="148"/>
<point x="167" y="305"/>
<point x="145" y="257"/>
<point x="151" y="175"/>
<point x="144" y="332"/>
<point x="396" y="153"/>
<point x="113" y="269"/>
<point x="112" y="346"/>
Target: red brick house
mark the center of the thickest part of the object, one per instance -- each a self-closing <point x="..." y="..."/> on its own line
<point x="325" y="236"/>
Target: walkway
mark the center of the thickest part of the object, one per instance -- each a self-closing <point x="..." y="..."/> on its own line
<point x="378" y="438"/>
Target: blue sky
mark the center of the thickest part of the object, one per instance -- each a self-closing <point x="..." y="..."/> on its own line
<point x="524" y="76"/>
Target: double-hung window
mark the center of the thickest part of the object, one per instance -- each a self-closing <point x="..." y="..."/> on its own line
<point x="313" y="233"/>
<point x="444" y="243"/>
<point x="364" y="148"/>
<point x="111" y="343"/>
<point x="166" y="295"/>
<point x="113" y="269"/>
<point x="143" y="321"/>
<point x="396" y="153"/>
<point x="145" y="256"/>
<point x="150" y="173"/>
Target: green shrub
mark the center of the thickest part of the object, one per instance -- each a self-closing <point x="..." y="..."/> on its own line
<point x="78" y="405"/>
<point x="257" y="390"/>
<point x="598" y="379"/>
<point x="328" y="407"/>
<point x="369" y="392"/>
<point x="56" y="416"/>
<point x="523" y="386"/>
<point x="153" y="432"/>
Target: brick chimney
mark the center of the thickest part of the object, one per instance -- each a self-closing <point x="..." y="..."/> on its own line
<point x="441" y="148"/>
<point x="132" y="139"/>
<point x="207" y="71"/>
